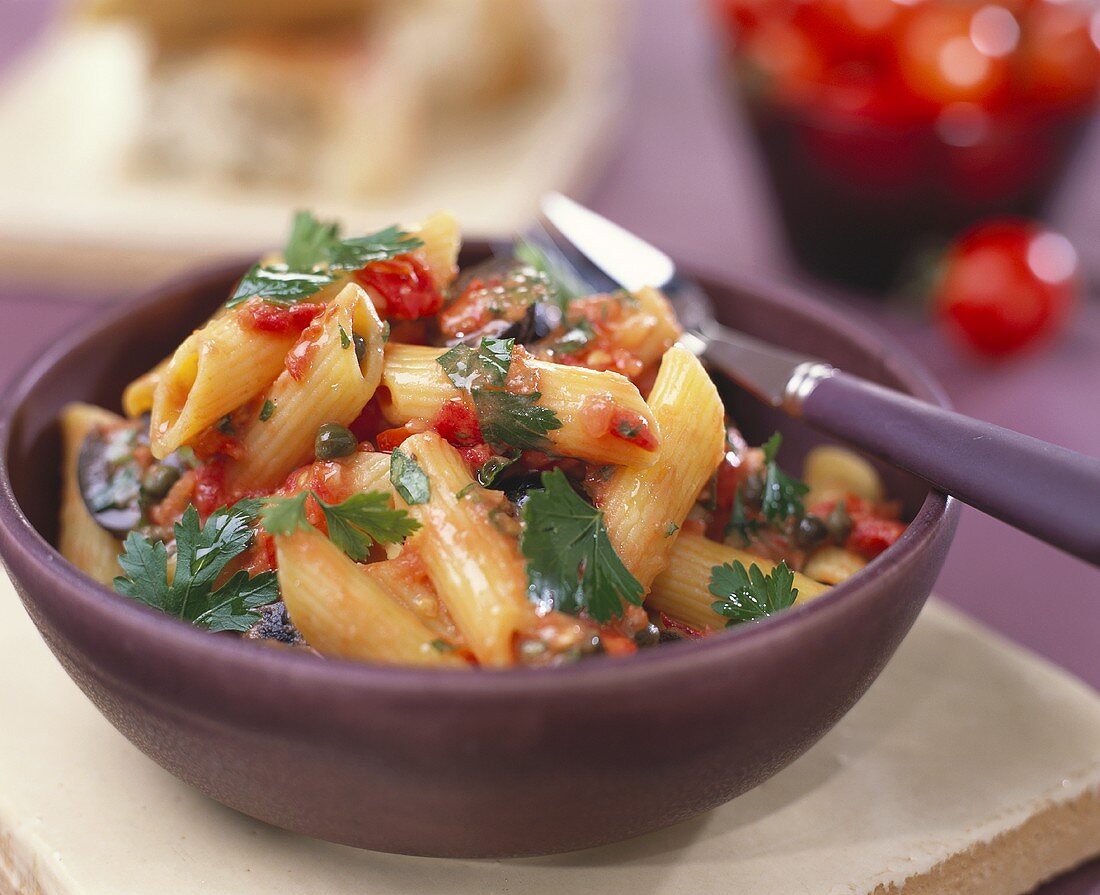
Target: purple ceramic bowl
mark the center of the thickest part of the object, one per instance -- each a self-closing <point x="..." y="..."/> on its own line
<point x="479" y="763"/>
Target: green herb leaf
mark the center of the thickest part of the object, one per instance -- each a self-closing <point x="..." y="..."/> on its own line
<point x="352" y="254"/>
<point x="267" y="411"/>
<point x="410" y="481"/>
<point x="509" y="420"/>
<point x="277" y="285"/>
<point x="202" y="554"/>
<point x="363" y="520"/>
<point x="285" y="515"/>
<point x="782" y="496"/>
<point x="311" y="241"/>
<point x="671" y="529"/>
<point x="345" y="342"/>
<point x="570" y="560"/>
<point x="748" y="594"/>
<point x="442" y="646"/>
<point x="487" y="364"/>
<point x="355" y="525"/>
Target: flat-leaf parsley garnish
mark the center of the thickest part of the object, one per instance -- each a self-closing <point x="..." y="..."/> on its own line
<point x="514" y="420"/>
<point x="570" y="559"/>
<point x="202" y="554"/>
<point x="408" y="479"/>
<point x="355" y="525"/>
<point x="782" y="495"/>
<point x="506" y="419"/>
<point x="488" y="364"/>
<point x="750" y="594"/>
<point x="313" y="254"/>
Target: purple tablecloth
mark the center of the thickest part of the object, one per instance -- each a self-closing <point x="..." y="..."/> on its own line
<point x="685" y="176"/>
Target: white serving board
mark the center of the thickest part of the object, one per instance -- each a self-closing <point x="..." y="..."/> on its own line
<point x="969" y="767"/>
<point x="67" y="113"/>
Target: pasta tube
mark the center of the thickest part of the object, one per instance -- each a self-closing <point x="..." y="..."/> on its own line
<point x="644" y="508"/>
<point x="342" y="611"/>
<point x="831" y="565"/>
<point x="476" y="569"/>
<point x="333" y="388"/>
<point x="216" y="370"/>
<point x="81" y="541"/>
<point x="416" y="387"/>
<point x="683" y="589"/>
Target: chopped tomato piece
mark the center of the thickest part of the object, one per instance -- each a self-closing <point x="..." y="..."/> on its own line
<point x="687" y="630"/>
<point x="262" y="317"/>
<point x="210" y="491"/>
<point x="476" y="455"/>
<point x="405" y="286"/>
<point x="871" y="535"/>
<point x="631" y="426"/>
<point x="457" y="423"/>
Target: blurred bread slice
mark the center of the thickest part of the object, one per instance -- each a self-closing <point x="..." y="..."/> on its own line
<point x="346" y="116"/>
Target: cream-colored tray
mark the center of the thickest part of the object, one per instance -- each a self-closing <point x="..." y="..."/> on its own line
<point x="71" y="210"/>
<point x="970" y="767"/>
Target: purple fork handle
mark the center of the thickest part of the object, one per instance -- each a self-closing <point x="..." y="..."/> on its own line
<point x="1047" y="491"/>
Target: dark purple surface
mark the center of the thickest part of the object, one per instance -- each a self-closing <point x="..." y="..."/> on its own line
<point x="1044" y="489"/>
<point x="686" y="178"/>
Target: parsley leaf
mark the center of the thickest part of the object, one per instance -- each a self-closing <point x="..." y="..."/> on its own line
<point x="409" y="480"/>
<point x="570" y="560"/>
<point x="364" y="519"/>
<point x="352" y="254"/>
<point x="277" y="285"/>
<point x="491" y="469"/>
<point x="267" y="411"/>
<point x="488" y="363"/>
<point x="354" y="525"/>
<point x="311" y="241"/>
<point x="202" y="554"/>
<point x="313" y="253"/>
<point x="514" y="420"/>
<point x="748" y="594"/>
<point x="782" y="495"/>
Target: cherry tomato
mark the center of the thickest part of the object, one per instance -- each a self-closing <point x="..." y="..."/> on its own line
<point x="1006" y="284"/>
<point x="1059" y="60"/>
<point x="404" y="285"/>
<point x="851" y="29"/>
<point x="940" y="61"/>
<point x="785" y="59"/>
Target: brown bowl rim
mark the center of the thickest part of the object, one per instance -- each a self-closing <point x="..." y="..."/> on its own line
<point x="306" y="669"/>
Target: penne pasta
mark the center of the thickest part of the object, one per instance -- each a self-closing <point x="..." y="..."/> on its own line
<point x="442" y="240"/>
<point x="475" y="568"/>
<point x="342" y="611"/>
<point x="81" y="541"/>
<point x="216" y="370"/>
<point x="644" y="508"/>
<point x="333" y="387"/>
<point x="650" y="332"/>
<point x="406" y="580"/>
<point x="831" y="565"/>
<point x="682" y="589"/>
<point x="416" y="387"/>
<point x="830" y="471"/>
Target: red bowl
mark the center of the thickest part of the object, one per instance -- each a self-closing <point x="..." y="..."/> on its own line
<point x="480" y="763"/>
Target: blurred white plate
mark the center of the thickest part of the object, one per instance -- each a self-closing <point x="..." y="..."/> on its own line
<point x="70" y="212"/>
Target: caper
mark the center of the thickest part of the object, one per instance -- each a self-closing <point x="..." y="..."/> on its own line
<point x="360" y="346"/>
<point x="158" y="480"/>
<point x="839" y="523"/>
<point x="650" y="635"/>
<point x="810" y="531"/>
<point x="332" y="441"/>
